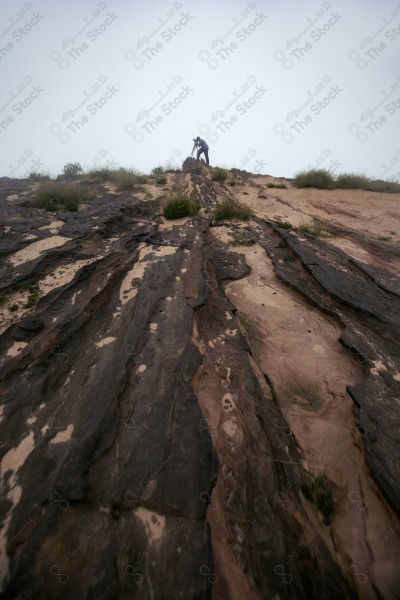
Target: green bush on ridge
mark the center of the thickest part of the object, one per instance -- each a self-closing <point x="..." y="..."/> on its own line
<point x="219" y="174"/>
<point x="231" y="209"/>
<point x="315" y="178"/>
<point x="57" y="196"/>
<point x="180" y="206"/>
<point x="323" y="179"/>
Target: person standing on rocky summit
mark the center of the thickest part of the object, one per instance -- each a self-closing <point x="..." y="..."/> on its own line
<point x="202" y="147"/>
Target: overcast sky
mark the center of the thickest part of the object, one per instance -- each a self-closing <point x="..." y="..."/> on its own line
<point x="273" y="87"/>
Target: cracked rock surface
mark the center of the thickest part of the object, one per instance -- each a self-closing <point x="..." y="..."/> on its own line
<point x="199" y="409"/>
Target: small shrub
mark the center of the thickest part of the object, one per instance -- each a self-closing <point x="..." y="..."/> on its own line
<point x="127" y="179"/>
<point x="263" y="196"/>
<point x="230" y="209"/>
<point x="352" y="181"/>
<point x="180" y="206"/>
<point x="389" y="187"/>
<point x="13" y="307"/>
<point x="281" y="186"/>
<point x="57" y="196"/>
<point x="315" y="178"/>
<point x="38" y="176"/>
<point x="219" y="174"/>
<point x="161" y="180"/>
<point x="157" y="170"/>
<point x="101" y="174"/>
<point x="241" y="241"/>
<point x="315" y="489"/>
<point x="312" y="229"/>
<point x="284" y="224"/>
<point x="232" y="182"/>
<point x="72" y="170"/>
<point x="33" y="296"/>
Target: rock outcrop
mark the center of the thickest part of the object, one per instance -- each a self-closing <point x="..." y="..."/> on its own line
<point x="152" y="446"/>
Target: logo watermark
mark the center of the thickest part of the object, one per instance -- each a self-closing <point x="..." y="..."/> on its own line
<point x="25" y="159"/>
<point x="374" y="119"/>
<point x="75" y="119"/>
<point x="166" y="30"/>
<point x="20" y="99"/>
<point x="325" y="160"/>
<point x="298" y="46"/>
<point x="90" y="32"/>
<point x="21" y="24"/>
<point x="315" y="108"/>
<point x="258" y="165"/>
<point x="243" y="27"/>
<point x="175" y="93"/>
<point x="224" y="119"/>
<point x="97" y="161"/>
<point x="372" y="46"/>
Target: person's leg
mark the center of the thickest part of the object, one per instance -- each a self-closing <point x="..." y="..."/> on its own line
<point x="206" y="155"/>
<point x="199" y="151"/>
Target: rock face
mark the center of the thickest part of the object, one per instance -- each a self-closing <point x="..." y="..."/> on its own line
<point x="152" y="446"/>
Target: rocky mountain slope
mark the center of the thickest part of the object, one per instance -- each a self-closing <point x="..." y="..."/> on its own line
<point x="183" y="417"/>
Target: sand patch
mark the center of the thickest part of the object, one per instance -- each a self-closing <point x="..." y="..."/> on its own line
<point x="16" y="348"/>
<point x="168" y="224"/>
<point x="63" y="436"/>
<point x="111" y="187"/>
<point x="62" y="275"/>
<point x="105" y="342"/>
<point x="54" y="227"/>
<point x="34" y="250"/>
<point x="154" y="524"/>
<point x="12" y="461"/>
<point x="15" y="458"/>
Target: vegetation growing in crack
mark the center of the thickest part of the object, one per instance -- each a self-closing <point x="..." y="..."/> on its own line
<point x="231" y="209"/>
<point x="316" y="489"/>
<point x="313" y="230"/>
<point x="58" y="196"/>
<point x="239" y="240"/>
<point x="180" y="205"/>
<point x="127" y="179"/>
<point x="284" y="224"/>
<point x="33" y="296"/>
<point x="219" y="174"/>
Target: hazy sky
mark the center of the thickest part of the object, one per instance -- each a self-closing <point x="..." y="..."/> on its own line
<point x="273" y="87"/>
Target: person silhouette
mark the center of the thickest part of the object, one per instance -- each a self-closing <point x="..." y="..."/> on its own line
<point x="202" y="148"/>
